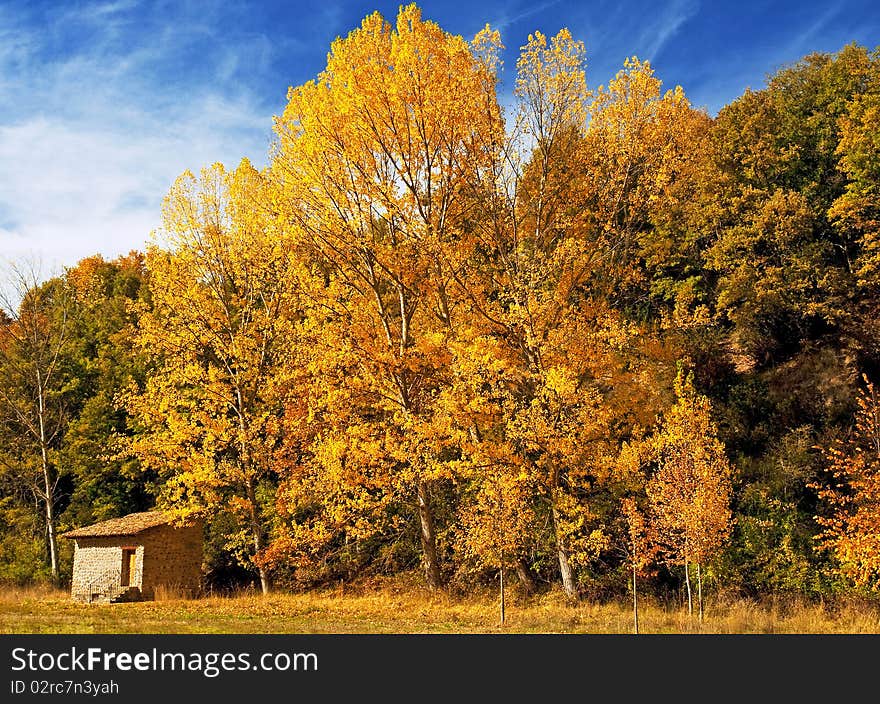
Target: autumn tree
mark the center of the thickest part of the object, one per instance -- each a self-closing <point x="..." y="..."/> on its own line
<point x="641" y="162"/>
<point x="497" y="523"/>
<point x="529" y="302"/>
<point x="785" y="269"/>
<point x="634" y="532"/>
<point x="220" y="328"/>
<point x="850" y="528"/>
<point x="690" y="491"/>
<point x="35" y="386"/>
<point x="371" y="159"/>
<point x="527" y="252"/>
<point x="639" y="548"/>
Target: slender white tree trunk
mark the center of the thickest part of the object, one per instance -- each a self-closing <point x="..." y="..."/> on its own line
<point x="687" y="582"/>
<point x="565" y="571"/>
<point x="501" y="582"/>
<point x="700" y="592"/>
<point x="48" y="484"/>
<point x="635" y="603"/>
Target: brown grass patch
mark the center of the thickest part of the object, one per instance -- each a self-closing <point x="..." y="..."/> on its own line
<point x="404" y="606"/>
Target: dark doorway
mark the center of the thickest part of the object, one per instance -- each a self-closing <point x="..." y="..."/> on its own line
<point x="129" y="566"/>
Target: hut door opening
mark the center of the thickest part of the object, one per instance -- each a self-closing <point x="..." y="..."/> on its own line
<point x="129" y="566"/>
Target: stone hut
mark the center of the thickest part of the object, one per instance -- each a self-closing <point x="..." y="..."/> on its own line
<point x="130" y="558"/>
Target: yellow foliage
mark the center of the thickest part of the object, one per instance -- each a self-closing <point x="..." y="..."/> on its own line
<point x="690" y="492"/>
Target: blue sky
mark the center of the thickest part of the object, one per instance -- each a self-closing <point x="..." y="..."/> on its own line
<point x="103" y="104"/>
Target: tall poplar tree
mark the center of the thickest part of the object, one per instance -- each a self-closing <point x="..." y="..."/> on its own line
<point x="219" y="331"/>
<point x="371" y="160"/>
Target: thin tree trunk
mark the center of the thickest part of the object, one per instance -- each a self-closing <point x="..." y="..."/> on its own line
<point x="501" y="581"/>
<point x="48" y="487"/>
<point x="635" y="603"/>
<point x="429" y="538"/>
<point x="257" y="533"/>
<point x="687" y="581"/>
<point x="565" y="570"/>
<point x="50" y="524"/>
<point x="501" y="542"/>
<point x="700" y="592"/>
<point x="525" y="577"/>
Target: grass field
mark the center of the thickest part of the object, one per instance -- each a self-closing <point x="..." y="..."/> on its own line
<point x="404" y="607"/>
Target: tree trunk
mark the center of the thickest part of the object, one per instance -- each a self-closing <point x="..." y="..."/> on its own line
<point x="687" y="581"/>
<point x="48" y="484"/>
<point x="501" y="582"/>
<point x="50" y="525"/>
<point x="524" y="572"/>
<point x="429" y="538"/>
<point x="565" y="570"/>
<point x="251" y="489"/>
<point x="700" y="592"/>
<point x="257" y="533"/>
<point x="635" y="603"/>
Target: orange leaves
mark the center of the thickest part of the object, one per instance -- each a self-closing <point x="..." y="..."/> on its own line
<point x="639" y="156"/>
<point x="691" y="490"/>
<point x="851" y="527"/>
<point x="384" y="136"/>
<point x="374" y="162"/>
<point x="640" y="547"/>
<point x="498" y="522"/>
<point x="455" y="333"/>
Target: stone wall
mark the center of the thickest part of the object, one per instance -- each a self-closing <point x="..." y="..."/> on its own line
<point x="172" y="560"/>
<point x="166" y="558"/>
<point x="99" y="560"/>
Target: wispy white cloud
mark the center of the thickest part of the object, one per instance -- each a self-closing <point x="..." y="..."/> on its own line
<point x="505" y="20"/>
<point x="91" y="140"/>
<point x="70" y="190"/>
<point x="664" y="26"/>
<point x="802" y="42"/>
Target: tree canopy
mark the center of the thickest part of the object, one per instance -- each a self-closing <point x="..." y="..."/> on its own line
<point x="593" y="334"/>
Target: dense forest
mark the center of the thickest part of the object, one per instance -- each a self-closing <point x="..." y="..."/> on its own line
<point x="595" y="339"/>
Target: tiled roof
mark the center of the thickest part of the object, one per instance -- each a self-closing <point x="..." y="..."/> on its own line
<point x="127" y="525"/>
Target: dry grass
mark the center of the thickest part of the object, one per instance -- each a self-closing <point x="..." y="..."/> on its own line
<point x="399" y="606"/>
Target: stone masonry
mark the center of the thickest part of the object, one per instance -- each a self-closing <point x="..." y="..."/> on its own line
<point x="97" y="562"/>
<point x="172" y="558"/>
<point x="165" y="557"/>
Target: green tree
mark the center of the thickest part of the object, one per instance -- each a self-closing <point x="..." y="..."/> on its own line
<point x="36" y="387"/>
<point x="785" y="272"/>
<point x="103" y="483"/>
